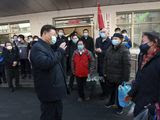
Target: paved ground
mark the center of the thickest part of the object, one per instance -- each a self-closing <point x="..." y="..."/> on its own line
<point x="24" y="105"/>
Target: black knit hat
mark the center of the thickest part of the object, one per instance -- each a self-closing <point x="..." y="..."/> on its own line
<point x="117" y="35"/>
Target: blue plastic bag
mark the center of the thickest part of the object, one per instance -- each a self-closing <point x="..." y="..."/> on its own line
<point x="122" y="93"/>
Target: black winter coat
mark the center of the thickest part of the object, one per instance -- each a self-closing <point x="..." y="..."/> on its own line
<point x="71" y="48"/>
<point x="89" y="43"/>
<point x="146" y="88"/>
<point x="117" y="64"/>
<point x="49" y="77"/>
<point x="10" y="57"/>
<point x="104" y="45"/>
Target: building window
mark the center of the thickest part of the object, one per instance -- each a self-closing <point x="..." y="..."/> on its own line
<point x="138" y="22"/>
<point x="16" y="28"/>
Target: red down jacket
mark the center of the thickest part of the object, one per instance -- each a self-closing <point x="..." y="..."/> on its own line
<point x="81" y="64"/>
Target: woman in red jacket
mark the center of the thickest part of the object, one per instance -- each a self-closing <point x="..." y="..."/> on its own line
<point x="82" y="66"/>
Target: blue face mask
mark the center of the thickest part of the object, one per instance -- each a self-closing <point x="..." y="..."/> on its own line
<point x="116" y="42"/>
<point x="80" y="47"/>
<point x="103" y="35"/>
<point x="144" y="48"/>
<point x="54" y="40"/>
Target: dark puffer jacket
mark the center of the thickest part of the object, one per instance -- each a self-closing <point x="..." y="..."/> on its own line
<point x="117" y="64"/>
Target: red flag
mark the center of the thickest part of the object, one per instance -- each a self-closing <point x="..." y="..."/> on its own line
<point x="100" y="18"/>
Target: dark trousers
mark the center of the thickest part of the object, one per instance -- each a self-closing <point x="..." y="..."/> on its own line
<point x="100" y="72"/>
<point x="2" y="74"/>
<point x="25" y="67"/>
<point x="112" y="90"/>
<point x="103" y="87"/>
<point x="51" y="110"/>
<point x="10" y="75"/>
<point x="71" y="81"/>
<point x="81" y="82"/>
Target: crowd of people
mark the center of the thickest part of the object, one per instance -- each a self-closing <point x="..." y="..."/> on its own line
<point x="54" y="57"/>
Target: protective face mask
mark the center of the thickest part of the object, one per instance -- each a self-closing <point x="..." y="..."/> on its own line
<point x="144" y="48"/>
<point x="116" y="42"/>
<point x="60" y="34"/>
<point x="36" y="39"/>
<point x="75" y="40"/>
<point x="85" y="34"/>
<point x="80" y="47"/>
<point x="53" y="39"/>
<point x="124" y="34"/>
<point x="30" y="39"/>
<point x="9" y="47"/>
<point x="19" y="39"/>
<point x="103" y="35"/>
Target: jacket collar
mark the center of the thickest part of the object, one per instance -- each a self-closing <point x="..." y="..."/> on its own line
<point x="156" y="56"/>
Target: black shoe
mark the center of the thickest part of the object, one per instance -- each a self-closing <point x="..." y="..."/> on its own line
<point x="108" y="105"/>
<point x="119" y="111"/>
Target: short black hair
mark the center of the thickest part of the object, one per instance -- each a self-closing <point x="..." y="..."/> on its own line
<point x="117" y="29"/>
<point x="119" y="35"/>
<point x="35" y="37"/>
<point x="124" y="31"/>
<point x="21" y="36"/>
<point x="8" y="42"/>
<point x="47" y="28"/>
<point x="29" y="36"/>
<point x="15" y="36"/>
<point x="80" y="40"/>
<point x="86" y="30"/>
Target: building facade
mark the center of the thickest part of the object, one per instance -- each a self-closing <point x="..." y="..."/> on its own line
<point x="135" y="18"/>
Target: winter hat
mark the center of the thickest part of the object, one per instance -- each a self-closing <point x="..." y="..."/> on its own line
<point x="119" y="35"/>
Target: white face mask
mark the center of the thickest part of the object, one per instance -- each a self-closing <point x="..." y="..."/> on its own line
<point x="75" y="40"/>
<point x="85" y="34"/>
<point x="60" y="34"/>
<point x="124" y="34"/>
<point x="19" y="39"/>
<point x="9" y="47"/>
<point x="35" y="39"/>
<point x="30" y="39"/>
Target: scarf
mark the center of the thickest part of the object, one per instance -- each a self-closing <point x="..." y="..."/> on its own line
<point x="151" y="53"/>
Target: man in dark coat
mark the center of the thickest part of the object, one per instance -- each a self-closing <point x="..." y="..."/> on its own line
<point x="102" y="44"/>
<point x="49" y="77"/>
<point x="23" y="48"/>
<point x="2" y="71"/>
<point x="116" y="69"/>
<point x="11" y="59"/>
<point x="87" y="40"/>
<point x="146" y="87"/>
<point x="61" y="39"/>
<point x="72" y="46"/>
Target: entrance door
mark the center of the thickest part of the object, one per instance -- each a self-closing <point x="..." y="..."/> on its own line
<point x="78" y="24"/>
